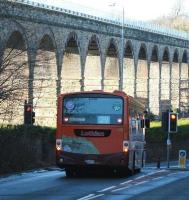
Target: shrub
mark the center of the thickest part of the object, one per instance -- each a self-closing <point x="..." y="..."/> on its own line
<point x="26" y="147"/>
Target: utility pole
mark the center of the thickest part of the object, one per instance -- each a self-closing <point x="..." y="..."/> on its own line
<point x="122" y="46"/>
<point x="122" y="49"/>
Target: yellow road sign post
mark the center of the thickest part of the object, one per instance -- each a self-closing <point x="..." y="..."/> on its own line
<point x="182" y="158"/>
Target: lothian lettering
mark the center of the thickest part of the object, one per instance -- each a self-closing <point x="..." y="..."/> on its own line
<point x="92" y="133"/>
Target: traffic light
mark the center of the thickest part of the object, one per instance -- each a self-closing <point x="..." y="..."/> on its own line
<point x="173" y="122"/>
<point x="29" y="115"/>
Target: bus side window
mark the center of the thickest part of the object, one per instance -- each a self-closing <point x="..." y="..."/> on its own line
<point x="140" y="130"/>
<point x="134" y="126"/>
<point x="133" y="122"/>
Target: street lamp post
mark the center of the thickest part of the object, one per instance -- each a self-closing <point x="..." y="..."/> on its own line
<point x="122" y="49"/>
<point x="122" y="46"/>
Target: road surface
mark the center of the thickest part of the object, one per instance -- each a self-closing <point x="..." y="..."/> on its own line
<point x="53" y="185"/>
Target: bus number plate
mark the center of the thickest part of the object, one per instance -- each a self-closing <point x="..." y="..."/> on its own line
<point x="90" y="161"/>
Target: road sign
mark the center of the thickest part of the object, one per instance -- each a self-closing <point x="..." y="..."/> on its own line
<point x="182" y="158"/>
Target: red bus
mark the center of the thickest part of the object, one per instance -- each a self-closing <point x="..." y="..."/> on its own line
<point x="98" y="130"/>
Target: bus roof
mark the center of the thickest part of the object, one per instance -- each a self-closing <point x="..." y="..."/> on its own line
<point x="116" y="92"/>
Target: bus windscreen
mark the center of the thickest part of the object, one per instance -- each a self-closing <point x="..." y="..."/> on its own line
<point x="93" y="109"/>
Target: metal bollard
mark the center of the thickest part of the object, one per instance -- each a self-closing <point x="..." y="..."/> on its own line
<point x="158" y="162"/>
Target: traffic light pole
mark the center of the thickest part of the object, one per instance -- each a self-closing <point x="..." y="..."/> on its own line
<point x="168" y="142"/>
<point x="168" y="148"/>
<point x="169" y="125"/>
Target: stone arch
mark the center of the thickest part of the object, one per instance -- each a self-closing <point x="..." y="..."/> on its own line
<point x="46" y="42"/>
<point x="142" y="53"/>
<point x="13" y="27"/>
<point x="166" y="55"/>
<point x="128" y="68"/>
<point x="154" y="80"/>
<point x="129" y="49"/>
<point x="176" y="56"/>
<point x="94" y="38"/>
<point x="142" y="75"/>
<point x="44" y="33"/>
<point x="165" y="100"/>
<point x="93" y="68"/>
<point x="72" y="36"/>
<point x="154" y="54"/>
<point x="184" y="76"/>
<point x="14" y="79"/>
<point x="16" y="40"/>
<point x="184" y="58"/>
<point x="71" y="69"/>
<point x="44" y="83"/>
<point x="111" y="71"/>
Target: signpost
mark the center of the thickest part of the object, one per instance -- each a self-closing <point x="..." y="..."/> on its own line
<point x="182" y="158"/>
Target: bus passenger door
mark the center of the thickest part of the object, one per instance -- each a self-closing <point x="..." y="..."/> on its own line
<point x="136" y="144"/>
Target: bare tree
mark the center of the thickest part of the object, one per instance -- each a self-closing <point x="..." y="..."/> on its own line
<point x="177" y="19"/>
<point x="178" y="8"/>
<point x="14" y="77"/>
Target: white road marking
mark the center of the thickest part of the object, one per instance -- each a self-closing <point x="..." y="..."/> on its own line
<point x="126" y="182"/>
<point x="140" y="177"/>
<point x="158" y="178"/>
<point x="183" y="172"/>
<point x="107" y="189"/>
<point x="121" y="188"/>
<point x="86" y="197"/>
<point x="152" y="173"/>
<point x="140" y="183"/>
<point x="172" y="174"/>
<point x="99" y="195"/>
<point x="93" y="196"/>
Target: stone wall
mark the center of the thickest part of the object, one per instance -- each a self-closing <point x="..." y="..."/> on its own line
<point x="128" y="76"/>
<point x="154" y="81"/>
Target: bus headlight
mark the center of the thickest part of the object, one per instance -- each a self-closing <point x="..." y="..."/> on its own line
<point x="125" y="146"/>
<point x="58" y="144"/>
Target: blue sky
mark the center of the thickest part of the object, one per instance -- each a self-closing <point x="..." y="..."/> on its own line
<point x="134" y="9"/>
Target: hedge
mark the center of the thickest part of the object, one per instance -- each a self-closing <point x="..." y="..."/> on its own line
<point x="26" y="147"/>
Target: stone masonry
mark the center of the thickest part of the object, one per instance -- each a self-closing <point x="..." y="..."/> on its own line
<point x="67" y="52"/>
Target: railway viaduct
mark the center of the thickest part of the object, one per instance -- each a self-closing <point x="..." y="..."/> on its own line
<point x="64" y="51"/>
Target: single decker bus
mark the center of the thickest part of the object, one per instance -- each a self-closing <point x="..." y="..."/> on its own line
<point x="100" y="130"/>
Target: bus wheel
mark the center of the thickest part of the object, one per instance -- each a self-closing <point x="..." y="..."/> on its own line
<point x="133" y="164"/>
<point x="123" y="172"/>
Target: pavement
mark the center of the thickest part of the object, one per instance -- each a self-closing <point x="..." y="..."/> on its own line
<point x="172" y="165"/>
